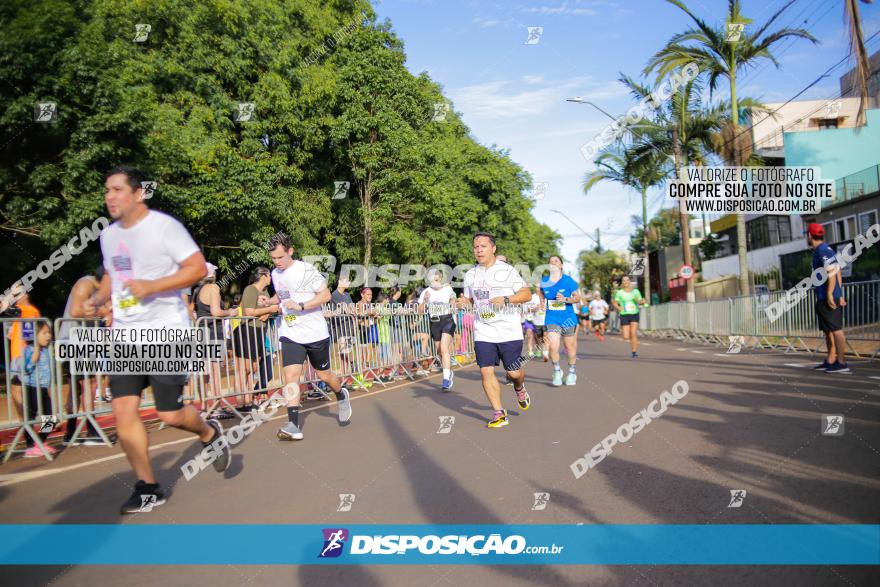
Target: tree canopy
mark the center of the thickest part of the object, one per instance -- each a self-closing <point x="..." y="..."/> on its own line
<point x="333" y="101"/>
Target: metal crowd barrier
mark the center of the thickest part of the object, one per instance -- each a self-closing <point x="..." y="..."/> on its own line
<point x="715" y="321"/>
<point x="369" y="343"/>
<point x="31" y="410"/>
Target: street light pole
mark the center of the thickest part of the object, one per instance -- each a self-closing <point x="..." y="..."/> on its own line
<point x="579" y="100"/>
<point x="585" y="233"/>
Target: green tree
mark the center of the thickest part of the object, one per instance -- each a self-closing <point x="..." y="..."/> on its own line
<point x="601" y="270"/>
<point x="620" y="166"/>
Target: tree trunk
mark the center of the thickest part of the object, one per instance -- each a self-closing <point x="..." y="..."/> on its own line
<point x="645" y="239"/>
<point x="684" y="219"/>
<point x="741" y="249"/>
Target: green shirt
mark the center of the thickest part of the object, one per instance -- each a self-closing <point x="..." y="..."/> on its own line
<point x="628" y="301"/>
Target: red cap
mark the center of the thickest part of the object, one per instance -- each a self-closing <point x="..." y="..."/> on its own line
<point x="815" y="230"/>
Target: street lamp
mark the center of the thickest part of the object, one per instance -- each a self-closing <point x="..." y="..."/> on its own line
<point x="579" y="100"/>
<point x="598" y="244"/>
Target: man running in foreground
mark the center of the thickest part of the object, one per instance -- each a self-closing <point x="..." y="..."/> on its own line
<point x="300" y="291"/>
<point x="493" y="287"/>
<point x="561" y="293"/>
<point x="149" y="257"/>
<point x="829" y="302"/>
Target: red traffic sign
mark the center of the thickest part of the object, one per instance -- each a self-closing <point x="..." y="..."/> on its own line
<point x="686" y="272"/>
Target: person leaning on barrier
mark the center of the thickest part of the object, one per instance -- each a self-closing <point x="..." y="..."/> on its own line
<point x="82" y="291"/>
<point x="209" y="311"/>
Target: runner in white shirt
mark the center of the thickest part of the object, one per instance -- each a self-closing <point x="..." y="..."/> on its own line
<point x="300" y="291"/>
<point x="438" y="299"/>
<point x="598" y="315"/>
<point x="494" y="287"/>
<point x="149" y="257"/>
<point x="534" y="343"/>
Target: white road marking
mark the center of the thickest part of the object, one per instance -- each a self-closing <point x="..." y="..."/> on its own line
<point x="698" y="352"/>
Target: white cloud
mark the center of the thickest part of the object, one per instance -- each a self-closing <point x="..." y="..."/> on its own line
<point x="507" y="99"/>
<point x="532" y="79"/>
<point x="488" y="23"/>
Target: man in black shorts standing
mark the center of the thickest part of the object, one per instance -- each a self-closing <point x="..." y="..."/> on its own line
<point x="829" y="301"/>
<point x="149" y="257"/>
<point x="300" y="291"/>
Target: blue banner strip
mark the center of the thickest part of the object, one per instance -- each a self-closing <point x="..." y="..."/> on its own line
<point x="210" y="544"/>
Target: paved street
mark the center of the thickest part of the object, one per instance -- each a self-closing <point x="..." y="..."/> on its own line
<point x="750" y="421"/>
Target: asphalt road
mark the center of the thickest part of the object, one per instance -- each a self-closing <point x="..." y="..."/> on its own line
<point x="750" y="421"/>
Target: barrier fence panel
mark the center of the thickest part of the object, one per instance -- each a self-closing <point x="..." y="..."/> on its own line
<point x="86" y="396"/>
<point x="30" y="384"/>
<point x="774" y="318"/>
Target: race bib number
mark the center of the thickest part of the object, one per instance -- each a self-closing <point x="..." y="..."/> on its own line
<point x="126" y="305"/>
<point x="554" y="305"/>
<point x="289" y="319"/>
<point x="486" y="315"/>
<point x="630" y="307"/>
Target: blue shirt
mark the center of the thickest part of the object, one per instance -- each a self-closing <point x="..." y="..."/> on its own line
<point x="559" y="312"/>
<point x="824" y="255"/>
<point x="39" y="375"/>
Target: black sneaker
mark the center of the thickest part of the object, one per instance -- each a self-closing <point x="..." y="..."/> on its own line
<point x="144" y="499"/>
<point x="224" y="454"/>
<point x="823" y="367"/>
<point x="315" y="394"/>
<point x="246" y="409"/>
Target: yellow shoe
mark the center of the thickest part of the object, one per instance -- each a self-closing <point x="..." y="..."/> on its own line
<point x="498" y="421"/>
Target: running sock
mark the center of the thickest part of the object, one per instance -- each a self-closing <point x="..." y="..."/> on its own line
<point x="293" y="415"/>
<point x="339" y="395"/>
<point x="447" y="373"/>
<point x="556" y="366"/>
<point x="497" y="413"/>
<point x="571" y="368"/>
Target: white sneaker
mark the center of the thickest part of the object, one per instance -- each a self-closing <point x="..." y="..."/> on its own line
<point x="557" y="378"/>
<point x="571" y="378"/>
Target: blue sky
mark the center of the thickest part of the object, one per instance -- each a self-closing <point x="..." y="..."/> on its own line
<point x="512" y="95"/>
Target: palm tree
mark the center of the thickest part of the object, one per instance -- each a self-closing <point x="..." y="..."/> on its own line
<point x="683" y="130"/>
<point x="859" y="52"/>
<point x="707" y="47"/>
<point x="620" y="166"/>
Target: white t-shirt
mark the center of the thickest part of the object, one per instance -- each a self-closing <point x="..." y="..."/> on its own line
<point x="300" y="282"/>
<point x="598" y="309"/>
<point x="437" y="300"/>
<point x="151" y="249"/>
<point x="540" y="312"/>
<point x="481" y="285"/>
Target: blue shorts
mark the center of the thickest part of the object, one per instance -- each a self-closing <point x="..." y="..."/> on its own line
<point x="509" y="353"/>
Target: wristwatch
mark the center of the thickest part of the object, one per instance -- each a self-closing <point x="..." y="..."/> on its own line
<point x="506" y="300"/>
<point x="302" y="307"/>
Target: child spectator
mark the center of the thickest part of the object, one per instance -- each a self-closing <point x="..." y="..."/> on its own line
<point x="38" y="380"/>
